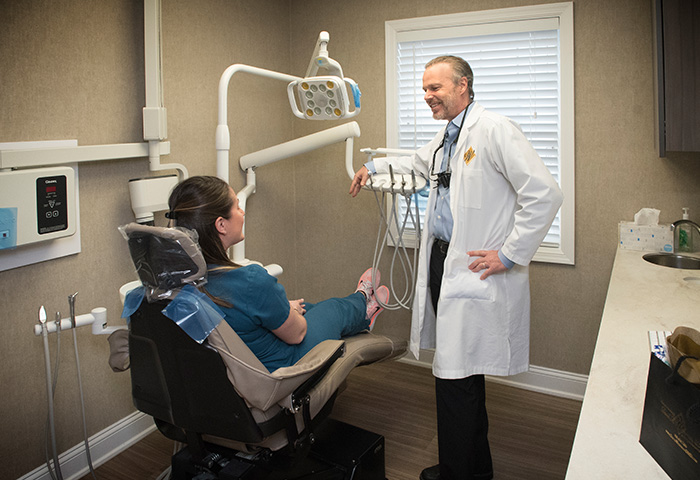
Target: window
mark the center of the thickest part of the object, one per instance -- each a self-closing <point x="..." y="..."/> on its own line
<point x="522" y="60"/>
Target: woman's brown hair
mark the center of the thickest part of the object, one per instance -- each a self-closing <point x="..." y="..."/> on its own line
<point x="196" y="203"/>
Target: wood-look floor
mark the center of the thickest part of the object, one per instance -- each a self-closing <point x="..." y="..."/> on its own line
<point x="530" y="434"/>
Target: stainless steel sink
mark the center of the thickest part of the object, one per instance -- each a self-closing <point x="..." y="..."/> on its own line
<point x="673" y="260"/>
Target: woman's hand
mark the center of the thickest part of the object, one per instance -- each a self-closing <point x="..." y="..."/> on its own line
<point x="293" y="330"/>
<point x="298" y="305"/>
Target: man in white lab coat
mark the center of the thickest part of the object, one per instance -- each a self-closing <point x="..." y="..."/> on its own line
<point x="491" y="203"/>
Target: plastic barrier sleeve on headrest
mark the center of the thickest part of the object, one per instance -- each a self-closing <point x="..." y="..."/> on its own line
<point x="132" y="301"/>
<point x="194" y="312"/>
<point x="165" y="258"/>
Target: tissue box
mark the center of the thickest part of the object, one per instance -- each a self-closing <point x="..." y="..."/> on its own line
<point x="648" y="238"/>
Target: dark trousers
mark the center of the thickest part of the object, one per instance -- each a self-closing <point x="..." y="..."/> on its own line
<point x="462" y="421"/>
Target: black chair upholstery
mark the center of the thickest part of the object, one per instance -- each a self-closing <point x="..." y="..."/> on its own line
<point x="176" y="380"/>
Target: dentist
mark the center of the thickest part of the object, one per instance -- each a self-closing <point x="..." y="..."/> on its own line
<point x="491" y="203"/>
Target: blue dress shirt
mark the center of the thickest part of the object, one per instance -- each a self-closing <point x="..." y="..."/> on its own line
<point x="442" y="218"/>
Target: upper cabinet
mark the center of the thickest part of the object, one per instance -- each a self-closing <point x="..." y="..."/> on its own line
<point x="677" y="37"/>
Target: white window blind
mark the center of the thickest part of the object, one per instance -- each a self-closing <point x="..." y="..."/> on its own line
<point x="517" y="73"/>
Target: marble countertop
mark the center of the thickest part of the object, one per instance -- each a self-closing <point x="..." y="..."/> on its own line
<point x="641" y="297"/>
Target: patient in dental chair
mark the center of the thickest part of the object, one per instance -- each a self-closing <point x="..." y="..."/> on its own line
<point x="277" y="330"/>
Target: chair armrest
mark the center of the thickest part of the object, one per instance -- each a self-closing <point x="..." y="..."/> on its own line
<point x="302" y="392"/>
<point x="251" y="379"/>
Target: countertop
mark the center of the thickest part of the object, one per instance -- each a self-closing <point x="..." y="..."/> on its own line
<point x="641" y="297"/>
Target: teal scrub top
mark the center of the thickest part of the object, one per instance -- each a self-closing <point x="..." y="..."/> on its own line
<point x="259" y="305"/>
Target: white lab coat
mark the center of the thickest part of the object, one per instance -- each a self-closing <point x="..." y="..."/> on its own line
<point x="502" y="198"/>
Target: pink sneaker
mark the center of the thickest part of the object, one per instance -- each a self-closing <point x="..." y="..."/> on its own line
<point x="365" y="285"/>
<point x="374" y="308"/>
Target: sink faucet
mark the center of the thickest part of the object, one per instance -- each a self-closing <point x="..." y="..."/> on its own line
<point x="676" y="230"/>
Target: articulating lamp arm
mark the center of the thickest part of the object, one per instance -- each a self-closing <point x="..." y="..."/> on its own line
<point x="320" y="58"/>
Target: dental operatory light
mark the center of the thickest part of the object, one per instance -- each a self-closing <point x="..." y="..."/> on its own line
<point x="323" y="97"/>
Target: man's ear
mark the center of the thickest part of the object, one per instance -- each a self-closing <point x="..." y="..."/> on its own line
<point x="464" y="84"/>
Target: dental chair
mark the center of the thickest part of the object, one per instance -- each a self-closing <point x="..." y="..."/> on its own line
<point x="235" y="419"/>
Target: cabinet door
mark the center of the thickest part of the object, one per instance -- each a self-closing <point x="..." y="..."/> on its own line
<point x="680" y="27"/>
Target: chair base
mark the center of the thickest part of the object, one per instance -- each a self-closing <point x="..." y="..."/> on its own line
<point x="340" y="452"/>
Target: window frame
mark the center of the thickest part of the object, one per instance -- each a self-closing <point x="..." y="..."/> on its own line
<point x="564" y="253"/>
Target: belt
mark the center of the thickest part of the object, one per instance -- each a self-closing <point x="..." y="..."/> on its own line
<point x="441" y="245"/>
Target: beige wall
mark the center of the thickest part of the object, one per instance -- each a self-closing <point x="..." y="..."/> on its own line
<point x="617" y="168"/>
<point x="74" y="69"/>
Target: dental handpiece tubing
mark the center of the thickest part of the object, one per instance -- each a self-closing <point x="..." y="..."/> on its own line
<point x="82" y="402"/>
<point x="49" y="393"/>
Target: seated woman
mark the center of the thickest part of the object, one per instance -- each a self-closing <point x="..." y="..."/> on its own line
<point x="278" y="331"/>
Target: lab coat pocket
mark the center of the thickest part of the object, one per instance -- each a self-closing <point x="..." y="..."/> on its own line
<point x="460" y="282"/>
<point x="470" y="194"/>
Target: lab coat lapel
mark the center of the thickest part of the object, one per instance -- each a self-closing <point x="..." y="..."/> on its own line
<point x="458" y="155"/>
<point x="456" y="162"/>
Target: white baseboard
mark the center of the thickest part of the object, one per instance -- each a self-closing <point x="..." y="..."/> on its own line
<point x="537" y="379"/>
<point x="104" y="445"/>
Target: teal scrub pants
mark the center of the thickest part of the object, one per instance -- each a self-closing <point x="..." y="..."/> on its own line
<point x="333" y="319"/>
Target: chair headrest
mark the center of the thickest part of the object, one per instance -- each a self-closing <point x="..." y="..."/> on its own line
<point x="166" y="259"/>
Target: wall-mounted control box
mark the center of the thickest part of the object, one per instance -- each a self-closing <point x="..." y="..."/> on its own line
<point x="36" y="205"/>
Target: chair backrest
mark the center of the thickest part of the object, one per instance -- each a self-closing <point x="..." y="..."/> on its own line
<point x="182" y="382"/>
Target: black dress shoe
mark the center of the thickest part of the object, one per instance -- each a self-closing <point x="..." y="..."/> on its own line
<point x="431" y="473"/>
